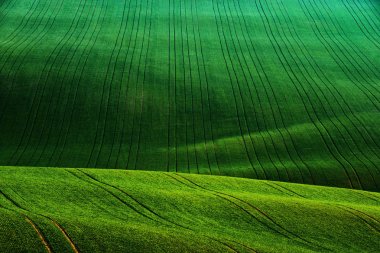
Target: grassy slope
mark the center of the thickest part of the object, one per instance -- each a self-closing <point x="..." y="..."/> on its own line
<point x="123" y="211"/>
<point x="282" y="90"/>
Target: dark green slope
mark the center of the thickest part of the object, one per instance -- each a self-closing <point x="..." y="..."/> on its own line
<point x="92" y="210"/>
<point x="282" y="90"/>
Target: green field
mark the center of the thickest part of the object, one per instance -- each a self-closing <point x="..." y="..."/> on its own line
<point x="276" y="103"/>
<point x="135" y="211"/>
<point x="283" y="90"/>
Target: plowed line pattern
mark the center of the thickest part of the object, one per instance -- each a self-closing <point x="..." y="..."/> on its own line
<point x="42" y="238"/>
<point x="276" y="90"/>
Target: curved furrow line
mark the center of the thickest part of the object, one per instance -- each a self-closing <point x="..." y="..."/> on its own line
<point x="21" y="26"/>
<point x="111" y="82"/>
<point x="120" y="89"/>
<point x="343" y="207"/>
<point x="249" y="131"/>
<point x="361" y="26"/>
<point x="144" y="76"/>
<point x="172" y="34"/>
<point x="260" y="128"/>
<point x="310" y="101"/>
<point x="322" y="77"/>
<point x="326" y="113"/>
<point x="151" y="210"/>
<point x="109" y="192"/>
<point x="77" y="45"/>
<point x="293" y="193"/>
<point x="112" y="214"/>
<point x="375" y="13"/>
<point x="354" y="48"/>
<point x="262" y="214"/>
<point x="7" y="5"/>
<point x="127" y="83"/>
<point x="364" y="214"/>
<point x="29" y="47"/>
<point x="353" y="114"/>
<point x="74" y="99"/>
<point x="286" y="189"/>
<point x="40" y="235"/>
<point x="337" y="59"/>
<point x="184" y="82"/>
<point x="292" y="80"/>
<point x="169" y="174"/>
<point x="66" y="235"/>
<point x="133" y="116"/>
<point x="369" y="21"/>
<point x="348" y="40"/>
<point x="310" y="77"/>
<point x="50" y="127"/>
<point x="187" y="30"/>
<point x="30" y="30"/>
<point x="275" y="187"/>
<point x="7" y="197"/>
<point x="25" y="35"/>
<point x="374" y="228"/>
<point x="202" y="61"/>
<point x="45" y="84"/>
<point x="7" y="9"/>
<point x="228" y="200"/>
<point x="259" y="100"/>
<point x="169" y="82"/>
<point x="139" y="203"/>
<point x="223" y="243"/>
<point x="259" y="68"/>
<point x="245" y="246"/>
<point x="175" y="86"/>
<point x="369" y="196"/>
<point x="97" y="184"/>
<point x="251" y="98"/>
<point x="105" y="83"/>
<point x="217" y="194"/>
<point x="138" y="78"/>
<point x="40" y="79"/>
<point x="156" y="214"/>
<point x="239" y="120"/>
<point x="336" y="154"/>
<point x="346" y="53"/>
<point x="6" y="208"/>
<point x="282" y="189"/>
<point x="37" y="229"/>
<point x="309" y="243"/>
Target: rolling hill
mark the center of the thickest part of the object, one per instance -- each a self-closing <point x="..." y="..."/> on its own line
<point x="283" y="90"/>
<point x="189" y="126"/>
<point x="94" y="210"/>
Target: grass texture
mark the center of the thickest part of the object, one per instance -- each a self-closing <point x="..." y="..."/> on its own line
<point x="284" y="90"/>
<point x="95" y="210"/>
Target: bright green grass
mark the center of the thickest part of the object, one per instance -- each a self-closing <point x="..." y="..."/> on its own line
<point x="283" y="90"/>
<point x="135" y="211"/>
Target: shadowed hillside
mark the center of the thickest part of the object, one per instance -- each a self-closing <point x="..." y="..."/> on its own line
<point x="283" y="90"/>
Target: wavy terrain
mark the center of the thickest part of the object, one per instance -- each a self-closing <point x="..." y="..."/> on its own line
<point x="190" y="126"/>
<point x="282" y="90"/>
<point x="94" y="210"/>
